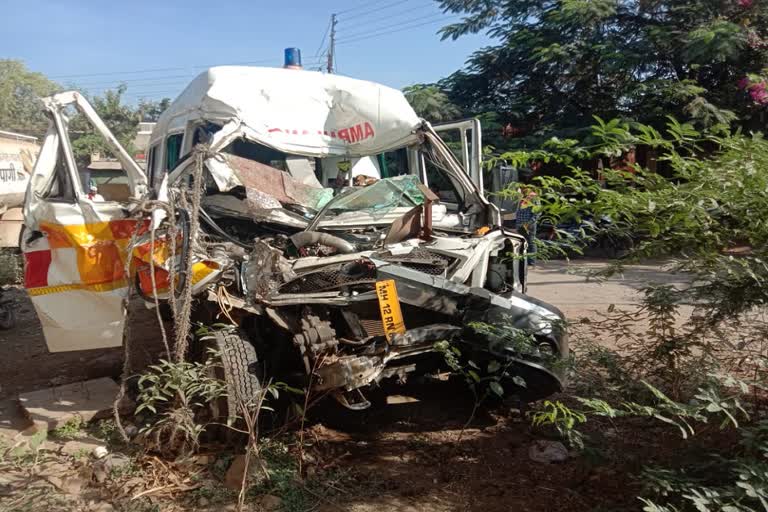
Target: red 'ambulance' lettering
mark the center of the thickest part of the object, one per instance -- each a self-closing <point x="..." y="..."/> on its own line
<point x="356" y="133"/>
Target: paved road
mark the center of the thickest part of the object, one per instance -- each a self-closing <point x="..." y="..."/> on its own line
<point x="567" y="285"/>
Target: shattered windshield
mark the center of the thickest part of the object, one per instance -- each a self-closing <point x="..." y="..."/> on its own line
<point x="376" y="199"/>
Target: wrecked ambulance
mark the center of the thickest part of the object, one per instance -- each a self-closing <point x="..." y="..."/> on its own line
<point x="317" y="212"/>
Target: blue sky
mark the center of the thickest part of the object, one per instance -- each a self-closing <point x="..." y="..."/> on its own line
<point x="157" y="46"/>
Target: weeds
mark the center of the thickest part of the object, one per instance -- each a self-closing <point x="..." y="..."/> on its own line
<point x="563" y="418"/>
<point x="72" y="429"/>
<point x="23" y="453"/>
<point x="176" y="394"/>
<point x="738" y="482"/>
<point x="107" y="431"/>
<point x="481" y="387"/>
<point x="215" y="494"/>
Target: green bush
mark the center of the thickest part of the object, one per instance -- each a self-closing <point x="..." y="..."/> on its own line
<point x="709" y="213"/>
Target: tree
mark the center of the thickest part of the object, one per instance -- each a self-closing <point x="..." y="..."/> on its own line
<point x="150" y="110"/>
<point x="431" y="103"/>
<point x="20" y="93"/>
<point x="559" y="62"/>
<point x="122" y="121"/>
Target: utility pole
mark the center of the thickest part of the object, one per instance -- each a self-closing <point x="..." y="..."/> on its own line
<point x="332" y="47"/>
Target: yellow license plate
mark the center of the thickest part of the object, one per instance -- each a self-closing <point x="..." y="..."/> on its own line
<point x="389" y="305"/>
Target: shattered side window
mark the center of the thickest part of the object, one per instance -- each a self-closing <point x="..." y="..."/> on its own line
<point x="153" y="163"/>
<point x="204" y="133"/>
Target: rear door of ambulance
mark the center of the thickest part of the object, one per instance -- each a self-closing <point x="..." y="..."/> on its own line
<point x="77" y="231"/>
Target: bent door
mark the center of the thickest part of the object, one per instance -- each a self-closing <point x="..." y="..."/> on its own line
<point x="465" y="140"/>
<point x="76" y="234"/>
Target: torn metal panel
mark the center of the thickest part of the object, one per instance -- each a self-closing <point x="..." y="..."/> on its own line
<point x="227" y="206"/>
<point x="265" y="184"/>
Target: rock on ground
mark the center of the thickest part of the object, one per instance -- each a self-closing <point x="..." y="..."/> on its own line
<point x="56" y="406"/>
<point x="548" y="452"/>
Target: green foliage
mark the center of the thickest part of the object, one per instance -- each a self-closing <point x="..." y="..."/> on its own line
<point x="707" y="209"/>
<point x="736" y="482"/>
<point x="283" y="471"/>
<point x="174" y="394"/>
<point x="150" y="111"/>
<point x="708" y="403"/>
<point x="71" y="429"/>
<point x="711" y="402"/>
<point x="503" y="337"/>
<point x="21" y="110"/>
<point x="20" y="92"/>
<point x="556" y="63"/>
<point x="708" y="212"/>
<point x="431" y="103"/>
<point x="719" y="40"/>
<point x="122" y="120"/>
<point x="563" y="418"/>
<point x="482" y="381"/>
<point x="107" y="431"/>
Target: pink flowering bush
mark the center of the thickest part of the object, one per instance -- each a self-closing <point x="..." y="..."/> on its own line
<point x="756" y="89"/>
<point x="746" y="3"/>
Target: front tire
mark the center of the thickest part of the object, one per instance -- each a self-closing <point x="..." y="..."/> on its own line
<point x="238" y="367"/>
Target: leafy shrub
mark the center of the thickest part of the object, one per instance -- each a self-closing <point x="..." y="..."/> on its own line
<point x="709" y="212"/>
<point x="175" y="394"/>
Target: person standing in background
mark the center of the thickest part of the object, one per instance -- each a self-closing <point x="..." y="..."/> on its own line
<point x="526" y="220"/>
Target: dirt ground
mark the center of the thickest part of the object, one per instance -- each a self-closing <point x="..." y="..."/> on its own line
<point x="412" y="455"/>
<point x="28" y="365"/>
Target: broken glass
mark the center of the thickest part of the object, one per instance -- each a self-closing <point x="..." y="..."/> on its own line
<point x="379" y="198"/>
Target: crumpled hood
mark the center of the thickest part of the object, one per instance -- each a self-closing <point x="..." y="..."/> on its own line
<point x="297" y="112"/>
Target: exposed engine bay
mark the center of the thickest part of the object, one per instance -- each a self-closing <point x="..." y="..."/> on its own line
<point x="363" y="286"/>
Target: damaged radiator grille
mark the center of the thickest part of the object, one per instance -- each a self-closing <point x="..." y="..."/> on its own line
<point x="372" y="326"/>
<point x="419" y="259"/>
<point x="433" y="270"/>
<point x="328" y="279"/>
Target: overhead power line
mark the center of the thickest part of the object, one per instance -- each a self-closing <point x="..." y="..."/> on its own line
<point x="139" y="82"/>
<point x="132" y="80"/>
<point x="431" y="16"/>
<point x="382" y="8"/>
<point x="155" y="86"/>
<point x="325" y="35"/>
<point x="139" y="71"/>
<point x="387" y="32"/>
<point x="358" y="7"/>
<point x="378" y="18"/>
<point x="153" y="94"/>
